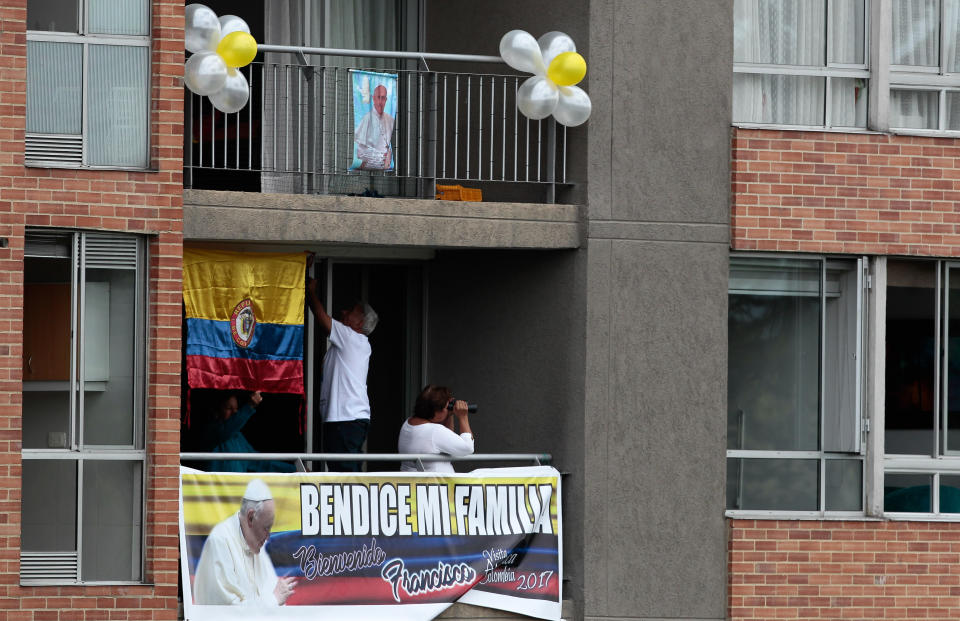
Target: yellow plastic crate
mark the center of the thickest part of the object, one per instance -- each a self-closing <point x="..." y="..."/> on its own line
<point x="458" y="193"/>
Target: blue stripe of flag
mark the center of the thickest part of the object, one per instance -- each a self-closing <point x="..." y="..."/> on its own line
<point x="271" y="341"/>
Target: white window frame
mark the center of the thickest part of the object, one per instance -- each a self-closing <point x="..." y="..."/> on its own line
<point x="78" y="451"/>
<point x="822" y="455"/>
<point x="85" y="39"/>
<point x="828" y="71"/>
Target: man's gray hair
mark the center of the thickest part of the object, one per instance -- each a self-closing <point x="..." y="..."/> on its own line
<point x="246" y="505"/>
<point x="370" y="319"/>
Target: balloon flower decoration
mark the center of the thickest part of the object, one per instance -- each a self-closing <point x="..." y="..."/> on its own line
<point x="556" y="69"/>
<point x="219" y="46"/>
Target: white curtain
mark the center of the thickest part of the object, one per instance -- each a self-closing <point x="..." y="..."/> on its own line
<point x="54" y="87"/>
<point x="781" y="32"/>
<point x="916" y="43"/>
<point x="793" y="32"/>
<point x="118" y="121"/>
<point x="290" y="101"/>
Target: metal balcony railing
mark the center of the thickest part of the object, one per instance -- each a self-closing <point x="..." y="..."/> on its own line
<point x="296" y="134"/>
<point x="538" y="459"/>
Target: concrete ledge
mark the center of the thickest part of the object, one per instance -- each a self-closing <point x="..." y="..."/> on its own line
<point x="248" y="216"/>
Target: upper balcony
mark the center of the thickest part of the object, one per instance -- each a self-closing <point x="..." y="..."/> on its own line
<point x="296" y="134"/>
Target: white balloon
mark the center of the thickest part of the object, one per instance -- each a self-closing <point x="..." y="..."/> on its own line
<point x="537" y="97"/>
<point x="201" y="28"/>
<point x="232" y="23"/>
<point x="573" y="106"/>
<point x="205" y="73"/>
<point x="519" y="49"/>
<point x="554" y="43"/>
<point x="234" y="94"/>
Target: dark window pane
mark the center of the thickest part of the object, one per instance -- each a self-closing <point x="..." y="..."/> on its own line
<point x="49" y="506"/>
<point x="844" y="478"/>
<point x="949" y="494"/>
<point x="112" y="522"/>
<point x="773" y="484"/>
<point x="907" y="493"/>
<point x="952" y="361"/>
<point x="774" y="355"/>
<point x="53" y="15"/>
<point x="910" y="383"/>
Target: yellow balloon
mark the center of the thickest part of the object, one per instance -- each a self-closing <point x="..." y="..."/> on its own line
<point x="237" y="49"/>
<point x="567" y="69"/>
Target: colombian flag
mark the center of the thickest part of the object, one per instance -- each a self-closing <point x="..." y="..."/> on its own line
<point x="244" y="320"/>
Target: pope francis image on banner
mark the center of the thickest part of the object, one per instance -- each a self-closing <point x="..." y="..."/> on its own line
<point x="234" y="567"/>
<point x="374" y="109"/>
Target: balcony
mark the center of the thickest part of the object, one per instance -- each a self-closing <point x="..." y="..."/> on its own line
<point x="295" y="136"/>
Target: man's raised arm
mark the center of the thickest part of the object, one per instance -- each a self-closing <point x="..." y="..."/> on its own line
<point x="317" y="307"/>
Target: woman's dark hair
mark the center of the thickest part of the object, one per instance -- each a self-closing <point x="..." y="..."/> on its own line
<point x="431" y="399"/>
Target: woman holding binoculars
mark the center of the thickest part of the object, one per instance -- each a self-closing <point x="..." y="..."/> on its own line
<point x="431" y="430"/>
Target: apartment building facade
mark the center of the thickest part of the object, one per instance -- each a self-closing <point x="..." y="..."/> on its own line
<point x="582" y="304"/>
<point x="841" y="470"/>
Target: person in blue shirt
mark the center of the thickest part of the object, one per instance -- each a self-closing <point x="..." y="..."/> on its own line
<point x="221" y="432"/>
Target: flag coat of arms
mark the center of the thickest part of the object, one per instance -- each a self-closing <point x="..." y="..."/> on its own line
<point x="244" y="320"/>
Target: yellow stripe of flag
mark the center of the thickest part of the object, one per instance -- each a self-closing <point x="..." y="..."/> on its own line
<point x="215" y="281"/>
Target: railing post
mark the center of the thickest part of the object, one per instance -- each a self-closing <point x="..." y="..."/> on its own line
<point x="551" y="161"/>
<point x="188" y="143"/>
<point x="429" y="187"/>
<point x="310" y="166"/>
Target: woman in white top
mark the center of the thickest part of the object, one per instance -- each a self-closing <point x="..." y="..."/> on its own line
<point x="430" y="429"/>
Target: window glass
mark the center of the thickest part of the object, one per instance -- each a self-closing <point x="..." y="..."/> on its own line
<point x="953" y="110"/>
<point x="844" y="485"/>
<point x="54" y="87"/>
<point x="782" y="32"/>
<point x="910" y="360"/>
<point x="949" y="494"/>
<point x="848" y="102"/>
<point x="951" y="35"/>
<point x="951" y="385"/>
<point x="907" y="493"/>
<point x="840" y="358"/>
<point x="779" y="99"/>
<point x="773" y="484"/>
<point x="109" y="338"/>
<point x="53" y="15"/>
<point x="46" y="349"/>
<point x="774" y="355"/>
<point x="916" y="33"/>
<point x="848" y="23"/>
<point x="118" y="122"/>
<point x="49" y="521"/>
<point x="119" y="17"/>
<point x="914" y="109"/>
<point x="112" y="510"/>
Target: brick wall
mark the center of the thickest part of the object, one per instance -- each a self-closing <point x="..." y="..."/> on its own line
<point x="142" y="202"/>
<point x="843" y="570"/>
<point x="845" y="193"/>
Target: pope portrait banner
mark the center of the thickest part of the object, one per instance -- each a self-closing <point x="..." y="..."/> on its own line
<point x="374" y="116"/>
<point x="403" y="546"/>
<point x="244" y="320"/>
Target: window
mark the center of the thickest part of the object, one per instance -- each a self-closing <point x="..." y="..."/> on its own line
<point x="88" y="83"/>
<point x="925" y="65"/>
<point x="794" y="385"/>
<point x="800" y="63"/>
<point x="922" y="390"/>
<point x="84" y="335"/>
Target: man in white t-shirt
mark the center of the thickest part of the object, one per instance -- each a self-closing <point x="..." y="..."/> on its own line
<point x="344" y="404"/>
